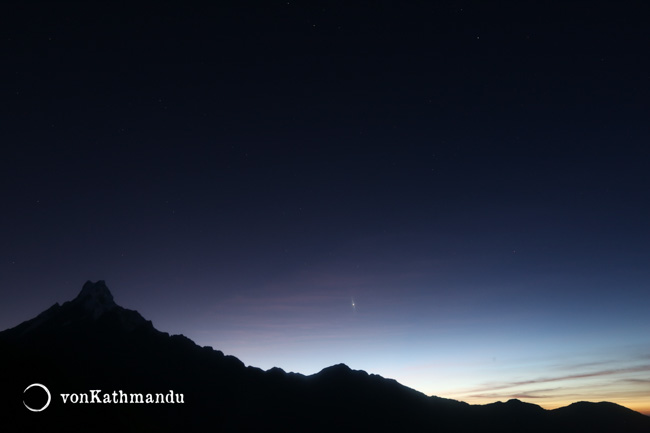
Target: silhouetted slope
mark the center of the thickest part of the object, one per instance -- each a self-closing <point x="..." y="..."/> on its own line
<point x="603" y="416"/>
<point x="93" y="343"/>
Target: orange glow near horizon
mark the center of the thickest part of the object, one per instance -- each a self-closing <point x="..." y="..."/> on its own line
<point x="633" y="399"/>
<point x="551" y="382"/>
<point x="641" y="405"/>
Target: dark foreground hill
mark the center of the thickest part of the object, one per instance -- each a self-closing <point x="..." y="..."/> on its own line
<point x="90" y="349"/>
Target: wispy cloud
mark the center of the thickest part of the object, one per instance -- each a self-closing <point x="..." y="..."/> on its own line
<point x="530" y="394"/>
<point x="514" y="384"/>
<point x="636" y="381"/>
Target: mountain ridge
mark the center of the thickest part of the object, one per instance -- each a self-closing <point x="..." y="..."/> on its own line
<point x="91" y="342"/>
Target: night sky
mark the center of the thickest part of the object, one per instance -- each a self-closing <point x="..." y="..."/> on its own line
<point x="452" y="194"/>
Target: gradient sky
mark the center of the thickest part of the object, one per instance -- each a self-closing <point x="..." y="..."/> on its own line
<point x="474" y="178"/>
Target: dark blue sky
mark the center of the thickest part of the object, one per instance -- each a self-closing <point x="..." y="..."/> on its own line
<point x="473" y="177"/>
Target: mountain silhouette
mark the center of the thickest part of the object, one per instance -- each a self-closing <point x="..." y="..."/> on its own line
<point x="91" y="343"/>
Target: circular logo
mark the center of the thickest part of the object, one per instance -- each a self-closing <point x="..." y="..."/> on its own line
<point x="49" y="397"/>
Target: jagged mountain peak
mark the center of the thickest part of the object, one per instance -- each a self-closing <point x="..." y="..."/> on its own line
<point x="120" y="349"/>
<point x="93" y="306"/>
<point x="96" y="289"/>
<point x="95" y="298"/>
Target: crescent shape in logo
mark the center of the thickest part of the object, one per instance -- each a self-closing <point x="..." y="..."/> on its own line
<point x="49" y="397"/>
